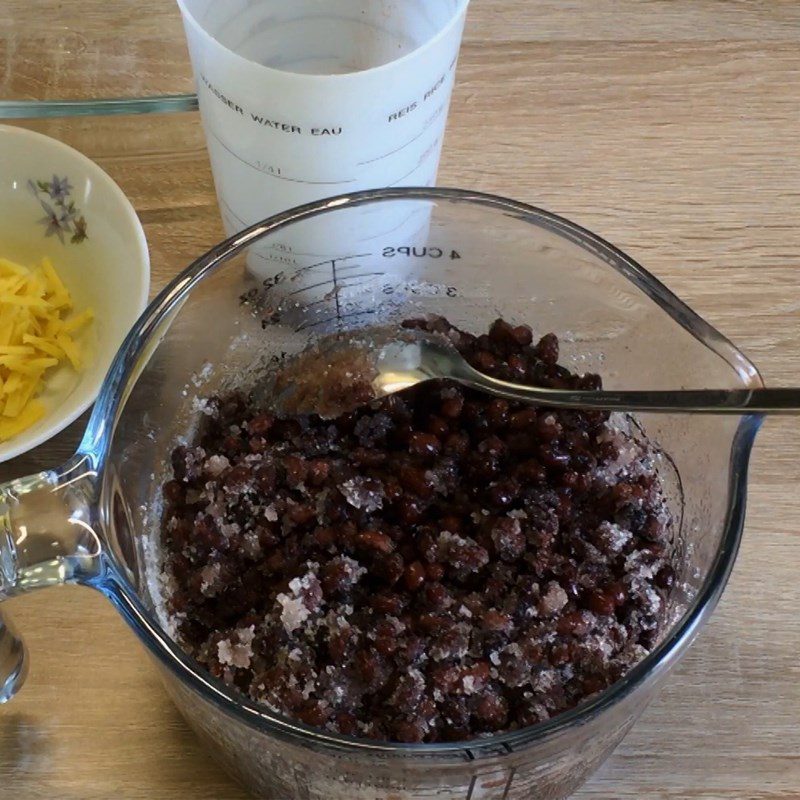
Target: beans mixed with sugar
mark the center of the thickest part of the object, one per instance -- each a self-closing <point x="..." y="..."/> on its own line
<point x="437" y="565"/>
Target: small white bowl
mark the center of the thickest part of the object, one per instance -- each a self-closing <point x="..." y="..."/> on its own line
<point x="98" y="248"/>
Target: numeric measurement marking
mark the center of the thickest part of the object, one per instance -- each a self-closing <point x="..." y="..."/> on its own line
<point x="278" y="176"/>
<point x="344" y="274"/>
<point x="275" y="259"/>
<point x="268" y="169"/>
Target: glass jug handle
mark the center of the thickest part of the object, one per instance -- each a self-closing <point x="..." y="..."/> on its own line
<point x="13" y="662"/>
<point x="47" y="538"/>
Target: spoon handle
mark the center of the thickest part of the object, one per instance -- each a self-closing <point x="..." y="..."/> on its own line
<point x="687" y="401"/>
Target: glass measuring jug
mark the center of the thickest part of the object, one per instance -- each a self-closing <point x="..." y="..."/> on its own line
<point x="91" y="521"/>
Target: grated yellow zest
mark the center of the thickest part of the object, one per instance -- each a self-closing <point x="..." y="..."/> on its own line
<point x="36" y="334"/>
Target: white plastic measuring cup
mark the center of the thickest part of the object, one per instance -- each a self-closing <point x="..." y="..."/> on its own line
<point x="306" y="99"/>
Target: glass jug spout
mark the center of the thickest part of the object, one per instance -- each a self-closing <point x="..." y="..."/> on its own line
<point x="47" y="538"/>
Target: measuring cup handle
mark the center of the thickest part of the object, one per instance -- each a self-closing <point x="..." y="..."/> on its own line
<point x="46" y="539"/>
<point x="13" y="661"/>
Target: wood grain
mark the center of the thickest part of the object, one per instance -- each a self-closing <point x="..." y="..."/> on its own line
<point x="668" y="126"/>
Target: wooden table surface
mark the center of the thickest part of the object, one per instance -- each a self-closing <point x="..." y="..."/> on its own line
<point x="671" y="127"/>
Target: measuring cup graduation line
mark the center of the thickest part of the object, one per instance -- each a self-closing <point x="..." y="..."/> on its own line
<point x="327" y="261"/>
<point x="423" y="158"/>
<point x="285" y="254"/>
<point x="337" y="318"/>
<point x="349" y="267"/>
<point x="428" y="124"/>
<point x="511" y="773"/>
<point x="226" y="217"/>
<point x="233" y="213"/>
<point x="356" y="279"/>
<point x="313" y="286"/>
<point x="280" y="177"/>
<point x="403" y="223"/>
<point x="341" y="286"/>
<point x="336" y="291"/>
<point x="330" y="282"/>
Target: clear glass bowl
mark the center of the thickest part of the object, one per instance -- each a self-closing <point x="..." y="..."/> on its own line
<point x="341" y="264"/>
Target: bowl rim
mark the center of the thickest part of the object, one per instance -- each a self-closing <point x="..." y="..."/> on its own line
<point x="24" y="445"/>
<point x="122" y="594"/>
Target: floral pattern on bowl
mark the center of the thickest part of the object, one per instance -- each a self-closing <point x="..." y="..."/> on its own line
<point x="107" y="270"/>
<point x="61" y="215"/>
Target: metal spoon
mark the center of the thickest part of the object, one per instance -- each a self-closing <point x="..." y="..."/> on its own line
<point x="402" y="364"/>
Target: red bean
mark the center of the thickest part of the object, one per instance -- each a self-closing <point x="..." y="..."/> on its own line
<point x="387" y="603"/>
<point x="520" y="420"/>
<point x="174" y="493"/>
<point x="375" y="541"/>
<point x="601" y="602"/>
<point x="261" y="424"/>
<point x="296" y="470"/>
<point x="439" y="427"/>
<point x="424" y="444"/>
<point x="318" y="471"/>
<point x="414" y="576"/>
<point x="522" y="335"/>
<point x="451" y="523"/>
<point x="436" y="596"/>
<point x="497" y="412"/>
<point x="434" y="572"/>
<point x="457" y="443"/>
<point x="484" y="361"/>
<point x="547" y="349"/>
<point x="665" y="579"/>
<point x="452" y="406"/>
